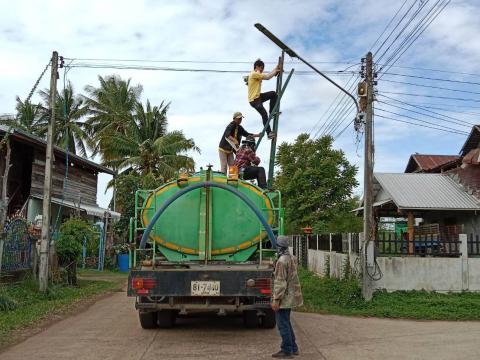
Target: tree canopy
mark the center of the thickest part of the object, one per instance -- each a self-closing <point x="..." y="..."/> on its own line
<point x="317" y="183"/>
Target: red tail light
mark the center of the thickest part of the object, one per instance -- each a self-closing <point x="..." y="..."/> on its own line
<point x="137" y="283"/>
<point x="142" y="285"/>
<point x="264" y="285"/>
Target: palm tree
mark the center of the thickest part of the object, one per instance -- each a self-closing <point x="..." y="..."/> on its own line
<point x="28" y="118"/>
<point x="148" y="148"/>
<point x="70" y="129"/>
<point x="111" y="105"/>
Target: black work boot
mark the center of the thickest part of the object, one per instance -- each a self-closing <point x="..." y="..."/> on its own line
<point x="282" y="355"/>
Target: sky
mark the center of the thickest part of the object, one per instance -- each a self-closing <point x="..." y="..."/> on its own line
<point x="333" y="34"/>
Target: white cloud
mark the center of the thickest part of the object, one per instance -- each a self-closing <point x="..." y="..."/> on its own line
<point x="202" y="103"/>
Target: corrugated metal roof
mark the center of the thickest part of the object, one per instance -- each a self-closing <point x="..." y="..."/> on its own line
<point x="426" y="191"/>
<point x="429" y="162"/>
<point x="74" y="158"/>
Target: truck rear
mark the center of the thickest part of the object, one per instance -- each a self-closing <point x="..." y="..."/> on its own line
<point x="204" y="243"/>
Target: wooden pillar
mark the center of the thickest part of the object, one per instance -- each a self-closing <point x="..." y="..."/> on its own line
<point x="410" y="224"/>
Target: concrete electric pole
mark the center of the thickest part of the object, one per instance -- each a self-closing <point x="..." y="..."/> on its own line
<point x="47" y="187"/>
<point x="368" y="260"/>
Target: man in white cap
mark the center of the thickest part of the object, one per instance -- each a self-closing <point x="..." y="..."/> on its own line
<point x="287" y="294"/>
<point x="230" y="141"/>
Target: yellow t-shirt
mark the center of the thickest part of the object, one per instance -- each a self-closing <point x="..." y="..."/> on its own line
<point x="254" y="85"/>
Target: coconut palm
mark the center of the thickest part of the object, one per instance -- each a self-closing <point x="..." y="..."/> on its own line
<point x="111" y="105"/>
<point x="148" y="148"/>
<point x="70" y="112"/>
<point x="28" y="118"/>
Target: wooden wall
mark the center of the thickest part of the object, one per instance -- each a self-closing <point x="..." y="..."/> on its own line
<point x="81" y="186"/>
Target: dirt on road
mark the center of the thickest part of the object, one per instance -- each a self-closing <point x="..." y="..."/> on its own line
<point x="109" y="329"/>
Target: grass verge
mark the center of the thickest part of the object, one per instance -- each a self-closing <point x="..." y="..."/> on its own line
<point x="22" y="306"/>
<point x="343" y="297"/>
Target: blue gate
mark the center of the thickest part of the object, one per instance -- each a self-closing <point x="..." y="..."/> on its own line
<point x="17" y="247"/>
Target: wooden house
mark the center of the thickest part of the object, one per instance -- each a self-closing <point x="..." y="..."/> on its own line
<point x="74" y="181"/>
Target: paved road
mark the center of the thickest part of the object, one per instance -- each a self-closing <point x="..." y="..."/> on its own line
<point x="109" y="330"/>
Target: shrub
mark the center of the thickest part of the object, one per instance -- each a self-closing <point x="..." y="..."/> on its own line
<point x="69" y="245"/>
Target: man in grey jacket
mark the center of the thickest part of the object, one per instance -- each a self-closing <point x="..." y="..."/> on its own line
<point x="287" y="294"/>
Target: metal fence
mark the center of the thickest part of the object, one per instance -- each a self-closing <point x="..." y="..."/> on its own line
<point x="445" y="245"/>
<point x="473" y="244"/>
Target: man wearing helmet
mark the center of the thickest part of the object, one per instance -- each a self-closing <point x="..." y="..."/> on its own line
<point x="247" y="162"/>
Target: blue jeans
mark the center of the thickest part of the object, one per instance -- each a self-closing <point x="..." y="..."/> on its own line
<point x="285" y="329"/>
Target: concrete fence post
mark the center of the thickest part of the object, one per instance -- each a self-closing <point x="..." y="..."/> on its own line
<point x="317" y="242"/>
<point x="349" y="239"/>
<point x="330" y="241"/>
<point x="464" y="259"/>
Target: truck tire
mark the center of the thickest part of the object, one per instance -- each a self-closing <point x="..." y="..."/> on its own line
<point x="166" y="319"/>
<point x="250" y="319"/>
<point x="268" y="320"/>
<point x="148" y="320"/>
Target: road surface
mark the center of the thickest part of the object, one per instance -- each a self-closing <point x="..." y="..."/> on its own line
<point x="109" y="329"/>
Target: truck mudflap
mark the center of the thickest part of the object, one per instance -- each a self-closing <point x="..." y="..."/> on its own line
<point x="212" y="283"/>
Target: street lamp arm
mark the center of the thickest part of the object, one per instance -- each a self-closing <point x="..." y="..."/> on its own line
<point x="292" y="53"/>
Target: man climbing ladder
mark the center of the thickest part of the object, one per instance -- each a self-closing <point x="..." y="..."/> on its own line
<point x="256" y="98"/>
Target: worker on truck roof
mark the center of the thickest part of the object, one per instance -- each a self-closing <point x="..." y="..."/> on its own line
<point x="230" y="141"/>
<point x="287" y="294"/>
<point x="256" y="98"/>
<point x="247" y="162"/>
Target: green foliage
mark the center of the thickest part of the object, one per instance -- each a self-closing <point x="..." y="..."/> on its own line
<point x="343" y="297"/>
<point x="316" y="182"/>
<point x="6" y="302"/>
<point x="70" y="128"/>
<point x="327" y="266"/>
<point x="28" y="118"/>
<point x="121" y="248"/>
<point x="126" y="186"/>
<point x="70" y="241"/>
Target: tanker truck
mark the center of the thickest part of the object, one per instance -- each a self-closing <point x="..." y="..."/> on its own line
<point x="204" y="242"/>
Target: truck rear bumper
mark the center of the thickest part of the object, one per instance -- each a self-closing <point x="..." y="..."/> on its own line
<point x="237" y="288"/>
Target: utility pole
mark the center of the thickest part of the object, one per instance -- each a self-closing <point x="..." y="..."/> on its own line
<point x="47" y="187"/>
<point x="368" y="241"/>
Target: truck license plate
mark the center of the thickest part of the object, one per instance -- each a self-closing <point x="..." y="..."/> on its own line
<point x="205" y="288"/>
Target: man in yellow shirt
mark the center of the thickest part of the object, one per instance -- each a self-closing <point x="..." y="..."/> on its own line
<point x="256" y="98"/>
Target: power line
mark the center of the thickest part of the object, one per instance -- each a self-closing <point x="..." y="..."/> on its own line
<point x="342" y="99"/>
<point x="330" y="123"/>
<point x="430" y="96"/>
<point x="434" y="79"/>
<point x="158" y="68"/>
<point x="386" y="27"/>
<point x="460" y="123"/>
<point x="328" y="109"/>
<point x="412" y="32"/>
<point x="266" y="62"/>
<point x="422" y="108"/>
<point x="421" y="31"/>
<point x="432" y="86"/>
<point x="200" y="61"/>
<point x="396" y="26"/>
<point x="425" y="126"/>
<point x="423" y="121"/>
<point x="414" y="15"/>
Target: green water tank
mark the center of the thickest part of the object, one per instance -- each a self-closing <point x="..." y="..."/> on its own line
<point x="207" y="223"/>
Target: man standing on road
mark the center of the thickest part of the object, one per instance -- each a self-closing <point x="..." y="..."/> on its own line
<point x="230" y="141"/>
<point x="256" y="98"/>
<point x="287" y="294"/>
